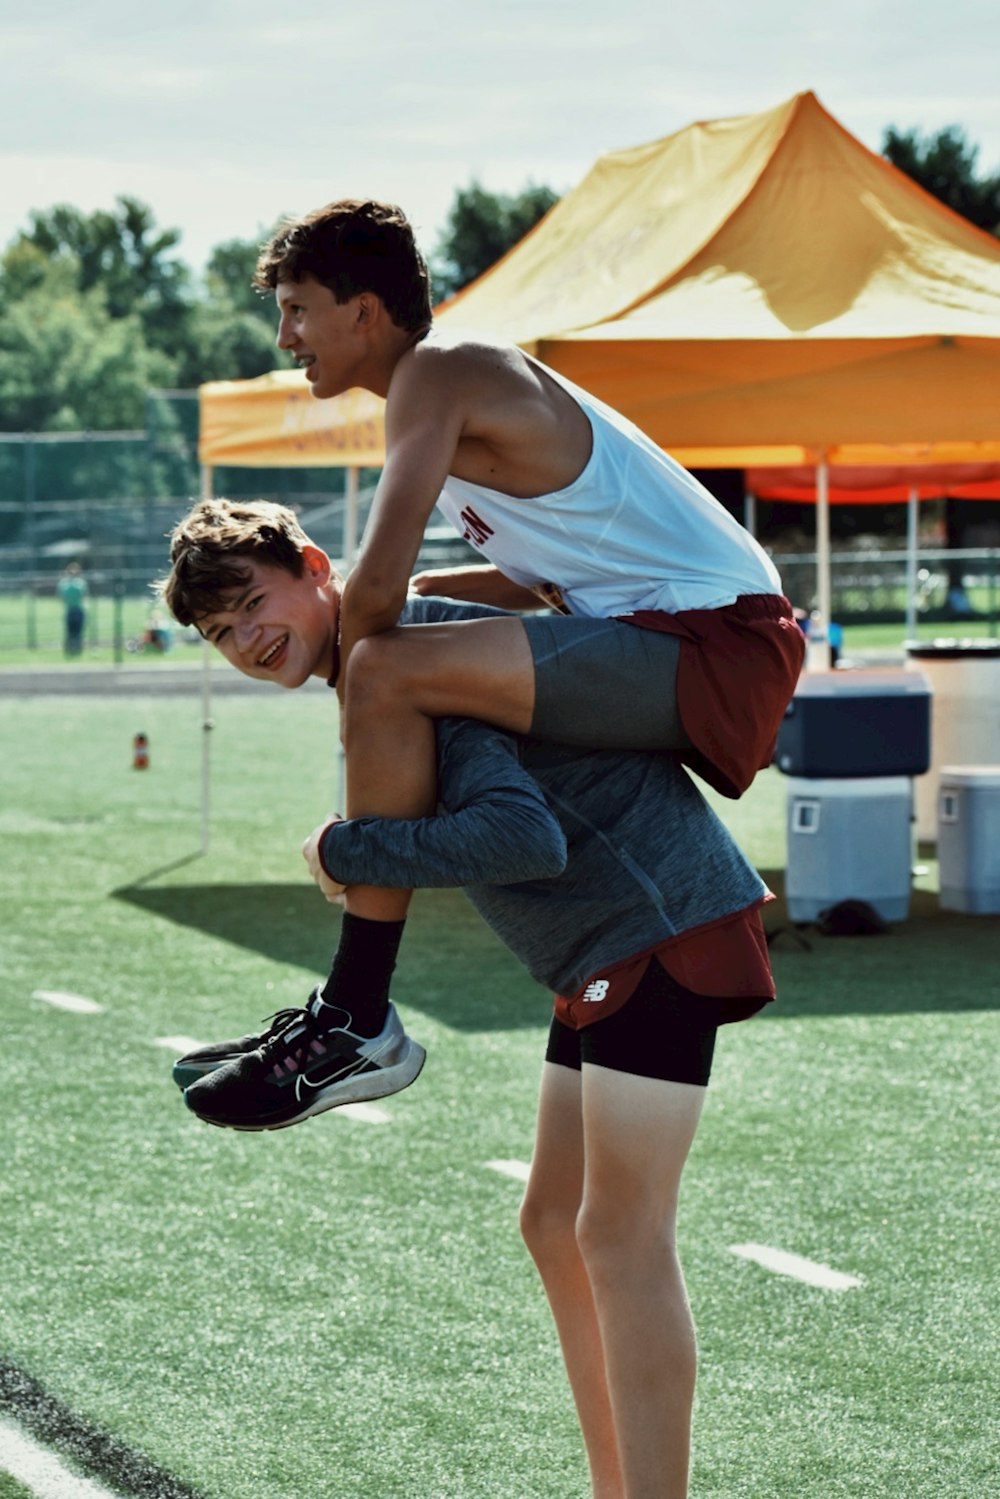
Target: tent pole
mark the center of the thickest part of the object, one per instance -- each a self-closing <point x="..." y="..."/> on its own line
<point x="823" y="592"/>
<point x="351" y="517"/>
<point x="818" y="648"/>
<point x="911" y="563"/>
<point x="207" y="725"/>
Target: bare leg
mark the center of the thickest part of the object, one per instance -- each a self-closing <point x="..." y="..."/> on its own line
<point x="637" y="1134"/>
<point x="397" y="684"/>
<point x="401" y="680"/>
<point x="548" y="1223"/>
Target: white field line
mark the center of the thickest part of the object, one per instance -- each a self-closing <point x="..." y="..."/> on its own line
<point x="77" y="1003"/>
<point x="519" y="1170"/>
<point x="43" y="1472"/>
<point x="784" y="1263"/>
<point x="368" y="1113"/>
<point x="180" y="1044"/>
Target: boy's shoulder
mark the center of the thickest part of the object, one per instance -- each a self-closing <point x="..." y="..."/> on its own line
<point x="459" y="357"/>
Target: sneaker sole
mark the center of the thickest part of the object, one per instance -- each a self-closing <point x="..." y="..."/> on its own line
<point x="365" y="1087"/>
<point x="185" y="1075"/>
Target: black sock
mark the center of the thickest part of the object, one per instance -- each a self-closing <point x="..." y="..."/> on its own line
<point x="362" y="969"/>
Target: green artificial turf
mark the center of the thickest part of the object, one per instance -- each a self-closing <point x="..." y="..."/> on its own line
<point x="344" y="1309"/>
<point x="12" y="1488"/>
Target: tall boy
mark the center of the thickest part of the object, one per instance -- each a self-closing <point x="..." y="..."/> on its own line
<point x="675" y="634"/>
<point x="608" y="875"/>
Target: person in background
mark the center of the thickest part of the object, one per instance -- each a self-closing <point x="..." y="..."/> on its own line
<point x="72" y="590"/>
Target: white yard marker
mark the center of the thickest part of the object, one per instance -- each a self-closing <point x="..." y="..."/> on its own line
<point x="180" y="1044"/>
<point x="368" y="1113"/>
<point x="520" y="1170"/>
<point x="784" y="1263"/>
<point x="43" y="1472"/>
<point x="63" y="1001"/>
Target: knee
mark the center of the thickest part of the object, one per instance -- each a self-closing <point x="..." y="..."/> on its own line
<point x="615" y="1241"/>
<point x="548" y="1229"/>
<point x="376" y="675"/>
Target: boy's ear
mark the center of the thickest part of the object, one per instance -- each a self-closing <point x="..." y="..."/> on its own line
<point x="368" y="309"/>
<point x="318" y="564"/>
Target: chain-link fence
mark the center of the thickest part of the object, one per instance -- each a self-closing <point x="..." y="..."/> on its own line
<point x="873" y="586"/>
<point x="108" y="500"/>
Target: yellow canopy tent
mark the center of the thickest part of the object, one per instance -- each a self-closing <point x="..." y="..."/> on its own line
<point x="762" y="290"/>
<point x="755" y="291"/>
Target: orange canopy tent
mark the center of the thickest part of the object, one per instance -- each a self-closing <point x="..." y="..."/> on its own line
<point x="754" y="292"/>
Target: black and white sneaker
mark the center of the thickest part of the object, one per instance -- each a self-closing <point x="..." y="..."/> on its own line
<point x="316" y="1063"/>
<point x="203" y="1059"/>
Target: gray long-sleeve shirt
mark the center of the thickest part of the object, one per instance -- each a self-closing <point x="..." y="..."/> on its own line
<point x="577" y="859"/>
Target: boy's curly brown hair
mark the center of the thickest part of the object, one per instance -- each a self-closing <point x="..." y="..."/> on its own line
<point x="214" y="547"/>
<point x="351" y="246"/>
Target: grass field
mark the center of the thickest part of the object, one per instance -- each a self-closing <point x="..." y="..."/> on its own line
<point x="344" y="1310"/>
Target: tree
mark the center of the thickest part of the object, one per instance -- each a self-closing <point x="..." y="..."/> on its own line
<point x="481" y="227"/>
<point x="123" y="253"/>
<point x="229" y="277"/>
<point x="227" y="344"/>
<point x="945" y="164"/>
<point x="67" y="365"/>
<point x="232" y="331"/>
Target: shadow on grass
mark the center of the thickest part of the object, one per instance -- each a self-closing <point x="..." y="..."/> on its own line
<point x="936" y="960"/>
<point x="452" y="967"/>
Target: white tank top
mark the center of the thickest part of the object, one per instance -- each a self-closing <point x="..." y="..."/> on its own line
<point x="634" y="531"/>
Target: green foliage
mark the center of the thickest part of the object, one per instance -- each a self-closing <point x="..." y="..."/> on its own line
<point x="945" y="164"/>
<point x="481" y="227"/>
<point x="12" y="1488"/>
<point x="124" y="254"/>
<point x="233" y="325"/>
<point x="226" y="343"/>
<point x="67" y="364"/>
<point x="97" y="310"/>
<point x="229" y="277"/>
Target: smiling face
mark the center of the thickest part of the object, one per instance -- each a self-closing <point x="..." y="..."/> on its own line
<point x="280" y="628"/>
<point x="327" y="338"/>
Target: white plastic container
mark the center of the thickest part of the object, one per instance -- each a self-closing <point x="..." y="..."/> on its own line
<point x="969" y="838"/>
<point x="965" y="719"/>
<point x="849" y="840"/>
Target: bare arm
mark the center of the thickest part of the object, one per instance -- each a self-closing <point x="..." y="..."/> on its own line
<point x="425" y="417"/>
<point x="498" y="828"/>
<point x="474" y="585"/>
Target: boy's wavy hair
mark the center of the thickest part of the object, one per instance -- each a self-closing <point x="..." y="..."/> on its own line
<point x="351" y="246"/>
<point x="214" y="547"/>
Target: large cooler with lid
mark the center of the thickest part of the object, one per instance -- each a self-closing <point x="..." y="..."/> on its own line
<point x="849" y="839"/>
<point x="857" y="723"/>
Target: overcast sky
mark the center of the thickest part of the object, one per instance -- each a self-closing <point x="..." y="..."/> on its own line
<point x="224" y="114"/>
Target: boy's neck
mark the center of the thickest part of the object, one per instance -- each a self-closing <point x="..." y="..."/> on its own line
<point x="397" y="343"/>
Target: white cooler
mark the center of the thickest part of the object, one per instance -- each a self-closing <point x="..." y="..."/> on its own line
<point x="969" y="838"/>
<point x="849" y="839"/>
<point x="965" y="730"/>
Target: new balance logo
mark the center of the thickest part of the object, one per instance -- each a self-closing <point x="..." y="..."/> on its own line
<point x="596" y="991"/>
<point x="476" y="530"/>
